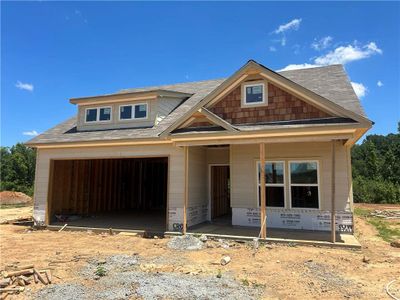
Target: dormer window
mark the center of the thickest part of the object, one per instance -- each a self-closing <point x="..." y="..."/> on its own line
<point x="130" y="112"/>
<point x="254" y="93"/>
<point x="98" y="114"/>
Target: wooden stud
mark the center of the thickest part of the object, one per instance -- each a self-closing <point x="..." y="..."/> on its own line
<point x="262" y="192"/>
<point x="333" y="188"/>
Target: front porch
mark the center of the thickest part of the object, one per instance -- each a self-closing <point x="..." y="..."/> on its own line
<point x="223" y="194"/>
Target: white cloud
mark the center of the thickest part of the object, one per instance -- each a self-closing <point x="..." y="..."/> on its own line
<point x="24" y="86"/>
<point x="299" y="66"/>
<point x="359" y="88"/>
<point x="292" y="25"/>
<point x="283" y="41"/>
<point x="322" y="43"/>
<point x="349" y="53"/>
<point x="31" y="133"/>
<point x="341" y="55"/>
<point x="379" y="83"/>
<point x="272" y="49"/>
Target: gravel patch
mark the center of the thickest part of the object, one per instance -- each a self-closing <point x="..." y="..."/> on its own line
<point x="174" y="286"/>
<point x="125" y="280"/>
<point x="323" y="274"/>
<point x="119" y="262"/>
<point x="66" y="291"/>
<point x="152" y="286"/>
<point x="185" y="242"/>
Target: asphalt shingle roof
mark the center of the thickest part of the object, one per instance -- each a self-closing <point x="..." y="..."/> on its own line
<point x="330" y="82"/>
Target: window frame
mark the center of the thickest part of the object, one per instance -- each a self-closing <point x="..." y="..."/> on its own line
<point x="133" y="117"/>
<point x="253" y="104"/>
<point x="318" y="184"/>
<point x="258" y="184"/>
<point x="98" y="114"/>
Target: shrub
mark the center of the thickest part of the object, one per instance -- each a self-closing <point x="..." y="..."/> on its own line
<point x="375" y="191"/>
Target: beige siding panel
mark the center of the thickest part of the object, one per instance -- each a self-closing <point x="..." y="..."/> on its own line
<point x="218" y="155"/>
<point x="197" y="176"/>
<point x="244" y="178"/>
<point x="176" y="160"/>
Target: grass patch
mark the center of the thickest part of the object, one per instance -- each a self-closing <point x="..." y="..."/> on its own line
<point x="383" y="226"/>
<point x="361" y="212"/>
<point x="100" y="271"/>
<point x="18" y="205"/>
<point x="384" y="231"/>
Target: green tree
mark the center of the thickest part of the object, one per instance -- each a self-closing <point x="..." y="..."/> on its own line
<point x="376" y="169"/>
<point x="17" y="167"/>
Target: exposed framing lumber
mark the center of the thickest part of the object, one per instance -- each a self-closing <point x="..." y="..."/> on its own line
<point x="262" y="193"/>
<point x="186" y="194"/>
<point x="333" y="190"/>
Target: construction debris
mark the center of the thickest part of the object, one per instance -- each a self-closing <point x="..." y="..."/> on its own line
<point x="185" y="242"/>
<point x="17" y="277"/>
<point x="386" y="214"/>
<point x="62" y="228"/>
<point x="225" y="260"/>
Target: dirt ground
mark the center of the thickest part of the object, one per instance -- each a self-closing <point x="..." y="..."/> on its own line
<point x="10" y="198"/>
<point x="281" y="271"/>
<point x="9" y="214"/>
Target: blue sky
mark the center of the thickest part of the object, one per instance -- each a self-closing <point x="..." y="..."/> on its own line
<point x="55" y="51"/>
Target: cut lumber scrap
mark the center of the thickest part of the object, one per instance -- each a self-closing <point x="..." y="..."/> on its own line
<point x="27" y="280"/>
<point x="5" y="282"/>
<point x="4" y="295"/>
<point x="14" y="289"/>
<point x="62" y="228"/>
<point x="48" y="275"/>
<point x="40" y="277"/>
<point x="20" y="281"/>
<point x="24" y="267"/>
<point x="17" y="273"/>
<point x="35" y="278"/>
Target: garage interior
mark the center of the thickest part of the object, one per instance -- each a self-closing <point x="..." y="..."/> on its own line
<point x="121" y="193"/>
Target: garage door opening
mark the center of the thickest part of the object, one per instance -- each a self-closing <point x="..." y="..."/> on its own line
<point x="124" y="193"/>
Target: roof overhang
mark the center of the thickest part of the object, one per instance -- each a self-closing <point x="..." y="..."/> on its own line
<point x="349" y="133"/>
<point x="121" y="97"/>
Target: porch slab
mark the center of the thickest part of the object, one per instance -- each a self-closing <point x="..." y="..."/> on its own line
<point x="306" y="237"/>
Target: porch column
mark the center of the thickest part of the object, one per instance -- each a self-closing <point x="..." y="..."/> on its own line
<point x="333" y="183"/>
<point x="262" y="192"/>
<point x="186" y="193"/>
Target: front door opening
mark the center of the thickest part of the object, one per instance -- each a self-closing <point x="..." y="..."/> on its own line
<point x="221" y="210"/>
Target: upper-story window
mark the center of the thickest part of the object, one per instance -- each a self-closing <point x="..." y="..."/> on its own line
<point x="254" y="94"/>
<point x="136" y="111"/>
<point x="98" y="114"/>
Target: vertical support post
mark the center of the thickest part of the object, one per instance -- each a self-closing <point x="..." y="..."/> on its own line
<point x="262" y="192"/>
<point x="186" y="195"/>
<point x="333" y="189"/>
<point x="350" y="183"/>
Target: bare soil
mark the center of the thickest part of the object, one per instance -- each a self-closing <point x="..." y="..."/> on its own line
<point x="281" y="271"/>
<point x="8" y="215"/>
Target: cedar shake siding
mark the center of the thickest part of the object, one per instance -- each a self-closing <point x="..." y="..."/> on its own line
<point x="282" y="106"/>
